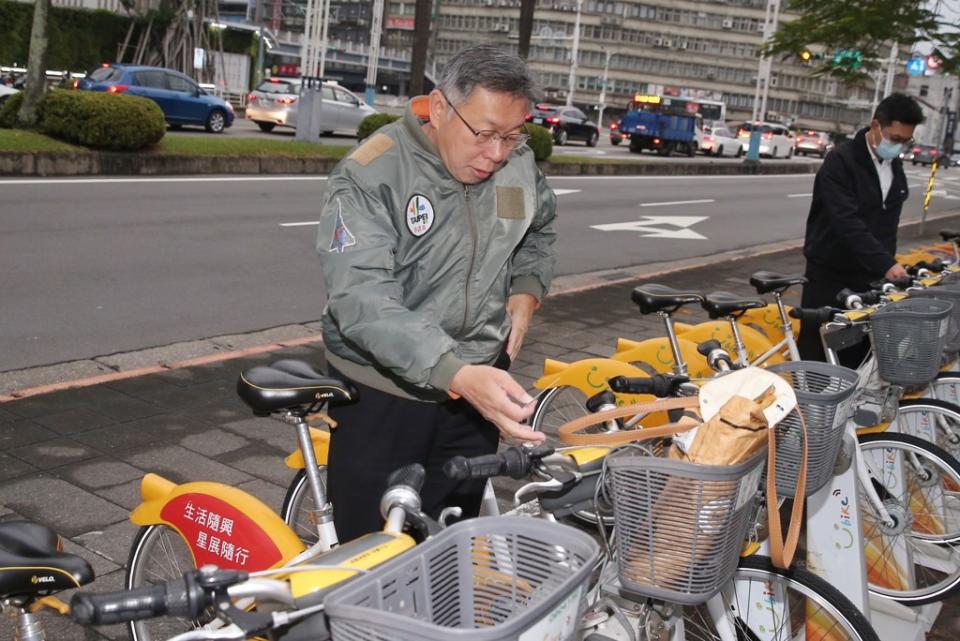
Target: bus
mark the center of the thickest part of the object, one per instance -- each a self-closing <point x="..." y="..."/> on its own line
<point x="709" y="110"/>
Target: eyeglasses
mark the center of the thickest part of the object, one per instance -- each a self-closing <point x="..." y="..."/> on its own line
<point x="488" y="136"/>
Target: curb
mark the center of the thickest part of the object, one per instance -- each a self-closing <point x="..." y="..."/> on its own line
<point x="109" y="163"/>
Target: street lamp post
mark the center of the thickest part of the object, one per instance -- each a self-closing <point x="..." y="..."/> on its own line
<point x="574" y="54"/>
<point x="770" y="20"/>
<point x="373" y="58"/>
<point x="603" y="87"/>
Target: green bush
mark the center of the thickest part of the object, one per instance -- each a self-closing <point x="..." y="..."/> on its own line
<point x="9" y="109"/>
<point x="540" y="141"/>
<point x="104" y="120"/>
<point x="373" y="122"/>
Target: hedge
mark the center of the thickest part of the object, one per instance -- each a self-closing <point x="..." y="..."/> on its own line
<point x="540" y="141"/>
<point x="9" y="109"/>
<point x="373" y="122"/>
<point x="104" y="120"/>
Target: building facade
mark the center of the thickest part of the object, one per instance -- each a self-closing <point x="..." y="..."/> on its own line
<point x="937" y="95"/>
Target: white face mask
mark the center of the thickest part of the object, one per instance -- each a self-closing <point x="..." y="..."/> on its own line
<point x="887" y="149"/>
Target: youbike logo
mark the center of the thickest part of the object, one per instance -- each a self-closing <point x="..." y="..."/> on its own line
<point x="844" y="522"/>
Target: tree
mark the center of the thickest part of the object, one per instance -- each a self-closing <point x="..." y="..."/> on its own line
<point x="36" y="81"/>
<point x="867" y="27"/>
<point x="421" y="42"/>
<point x="525" y="27"/>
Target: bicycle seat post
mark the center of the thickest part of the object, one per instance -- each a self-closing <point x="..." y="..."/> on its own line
<point x="680" y="366"/>
<point x="323" y="518"/>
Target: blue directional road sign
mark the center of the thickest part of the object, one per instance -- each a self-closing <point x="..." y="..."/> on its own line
<point x="916" y="66"/>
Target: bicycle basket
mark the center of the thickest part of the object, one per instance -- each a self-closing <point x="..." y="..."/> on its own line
<point x="823" y="397"/>
<point x="485" y="579"/>
<point x="908" y="339"/>
<point x="949" y="293"/>
<point x="679" y="526"/>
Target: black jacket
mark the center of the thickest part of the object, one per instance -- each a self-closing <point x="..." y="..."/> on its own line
<point x="851" y="232"/>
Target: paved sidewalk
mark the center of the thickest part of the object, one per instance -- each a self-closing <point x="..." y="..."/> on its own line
<point x="73" y="459"/>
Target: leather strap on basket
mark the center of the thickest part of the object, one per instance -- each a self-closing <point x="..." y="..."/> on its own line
<point x="782" y="549"/>
<point x="570" y="433"/>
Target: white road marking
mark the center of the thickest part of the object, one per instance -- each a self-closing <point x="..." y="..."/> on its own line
<point x="211" y="179"/>
<point x="678" y="202"/>
<point x="307" y="223"/>
<point x="647" y="227"/>
<point x="799" y="195"/>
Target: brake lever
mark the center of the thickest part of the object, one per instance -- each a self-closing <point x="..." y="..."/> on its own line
<point x="560" y="481"/>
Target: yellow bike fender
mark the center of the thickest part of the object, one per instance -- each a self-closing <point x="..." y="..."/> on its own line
<point x="657" y="354"/>
<point x="755" y="343"/>
<point x="589" y="375"/>
<point x="766" y="320"/>
<point x="220" y="524"/>
<point x="321" y="449"/>
<point x="625" y="345"/>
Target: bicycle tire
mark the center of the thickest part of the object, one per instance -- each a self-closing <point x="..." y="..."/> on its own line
<point x="949" y="412"/>
<point x="158" y="554"/>
<point x="298" y="503"/>
<point x="844" y="619"/>
<point x="933" y="518"/>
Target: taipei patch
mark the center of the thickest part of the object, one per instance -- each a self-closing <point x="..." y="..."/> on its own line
<point x="419" y="215"/>
<point x="342" y="238"/>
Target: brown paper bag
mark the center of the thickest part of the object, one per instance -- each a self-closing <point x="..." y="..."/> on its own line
<point x="734" y="435"/>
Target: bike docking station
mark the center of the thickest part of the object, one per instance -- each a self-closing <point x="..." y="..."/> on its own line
<point x="839" y="552"/>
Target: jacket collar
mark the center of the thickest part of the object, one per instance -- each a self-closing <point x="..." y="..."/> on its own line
<point x="415" y="115"/>
<point x="861" y="151"/>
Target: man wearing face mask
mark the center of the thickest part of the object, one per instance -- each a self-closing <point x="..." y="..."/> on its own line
<point x="851" y="237"/>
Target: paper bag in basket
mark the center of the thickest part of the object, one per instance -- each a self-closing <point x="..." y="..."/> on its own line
<point x="737" y="410"/>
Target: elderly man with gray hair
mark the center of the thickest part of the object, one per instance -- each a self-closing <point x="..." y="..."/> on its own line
<point x="436" y="243"/>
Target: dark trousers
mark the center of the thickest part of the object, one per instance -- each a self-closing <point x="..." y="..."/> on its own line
<point x="380" y="433"/>
<point x="820" y="292"/>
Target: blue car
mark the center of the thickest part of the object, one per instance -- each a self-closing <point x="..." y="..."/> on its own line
<point x="183" y="101"/>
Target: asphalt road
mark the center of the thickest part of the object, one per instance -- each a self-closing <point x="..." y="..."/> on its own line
<point x="98" y="266"/>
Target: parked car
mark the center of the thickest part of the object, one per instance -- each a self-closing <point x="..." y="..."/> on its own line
<point x="274" y="104"/>
<point x="776" y="140"/>
<point x="616" y="137"/>
<point x="182" y="100"/>
<point x="925" y="154"/>
<point x="813" y="142"/>
<point x="6" y="92"/>
<point x="955" y="160"/>
<point x="720" y="141"/>
<point x="565" y="123"/>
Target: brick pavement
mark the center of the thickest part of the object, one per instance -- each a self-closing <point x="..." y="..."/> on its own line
<point x="73" y="459"/>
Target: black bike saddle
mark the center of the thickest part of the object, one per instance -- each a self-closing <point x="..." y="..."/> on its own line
<point x="723" y="304"/>
<point x="767" y="282"/>
<point x="290" y="385"/>
<point x="656" y="298"/>
<point x="33" y="564"/>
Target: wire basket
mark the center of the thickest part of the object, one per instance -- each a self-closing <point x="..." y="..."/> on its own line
<point x="949" y="293"/>
<point x="486" y="579"/>
<point x="680" y="526"/>
<point x="823" y="398"/>
<point x="908" y="339"/>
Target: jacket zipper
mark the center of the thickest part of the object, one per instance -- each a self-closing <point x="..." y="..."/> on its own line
<point x="473" y="260"/>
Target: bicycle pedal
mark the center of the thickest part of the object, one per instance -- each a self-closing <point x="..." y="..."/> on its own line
<point x="52" y="603"/>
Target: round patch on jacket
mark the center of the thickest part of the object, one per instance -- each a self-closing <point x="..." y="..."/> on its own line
<point x="419" y="215"/>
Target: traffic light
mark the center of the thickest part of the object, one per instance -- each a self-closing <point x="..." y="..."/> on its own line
<point x="933" y="62"/>
<point x="806" y="55"/>
<point x="850" y="58"/>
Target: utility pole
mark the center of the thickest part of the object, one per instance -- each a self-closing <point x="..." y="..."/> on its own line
<point x="574" y="54"/>
<point x="323" y="38"/>
<point x="603" y="87"/>
<point x="373" y="58"/>
<point x="261" y="19"/>
<point x="421" y="42"/>
<point x="770" y="20"/>
<point x="525" y="27"/>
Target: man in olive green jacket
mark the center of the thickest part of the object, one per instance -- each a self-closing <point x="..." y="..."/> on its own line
<point x="436" y="241"/>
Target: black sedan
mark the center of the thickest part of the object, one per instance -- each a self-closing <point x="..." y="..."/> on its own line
<point x="566" y="124"/>
<point x="926" y="154"/>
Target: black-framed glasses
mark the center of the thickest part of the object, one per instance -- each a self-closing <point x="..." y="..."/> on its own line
<point x="488" y="136"/>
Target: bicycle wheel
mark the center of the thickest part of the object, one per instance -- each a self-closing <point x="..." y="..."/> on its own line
<point x="919" y="416"/>
<point x="298" y="505"/>
<point x="916" y="559"/>
<point x="771" y="604"/>
<point x="556" y="406"/>
<point x="159" y="554"/>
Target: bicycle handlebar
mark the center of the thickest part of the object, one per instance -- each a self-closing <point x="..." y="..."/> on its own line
<point x="411" y="476"/>
<point x="185" y="597"/>
<point x="936" y="266"/>
<point x="660" y="385"/>
<point x="817" y="315"/>
<point x="516" y="462"/>
<point x="867" y="298"/>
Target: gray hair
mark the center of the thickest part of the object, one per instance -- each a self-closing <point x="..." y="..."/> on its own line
<point x="486" y="66"/>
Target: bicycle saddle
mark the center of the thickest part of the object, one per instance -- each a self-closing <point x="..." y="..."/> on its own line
<point x="656" y="298"/>
<point x="949" y="234"/>
<point x="767" y="282"/>
<point x="32" y="563"/>
<point x="290" y="385"/>
<point x="723" y="304"/>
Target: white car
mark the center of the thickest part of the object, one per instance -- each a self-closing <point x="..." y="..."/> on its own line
<point x="274" y="104"/>
<point x="719" y="141"/>
<point x="6" y="92"/>
<point x="776" y="141"/>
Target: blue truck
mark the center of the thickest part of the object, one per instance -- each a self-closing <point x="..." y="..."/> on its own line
<point x="656" y="123"/>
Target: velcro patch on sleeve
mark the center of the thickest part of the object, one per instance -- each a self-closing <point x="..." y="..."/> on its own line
<point x="376" y="146"/>
<point x="510" y="203"/>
